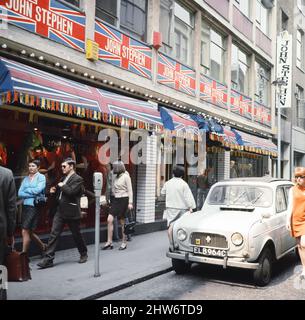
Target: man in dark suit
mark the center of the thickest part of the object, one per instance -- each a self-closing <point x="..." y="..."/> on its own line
<point x="7" y="214"/>
<point x="68" y="193"/>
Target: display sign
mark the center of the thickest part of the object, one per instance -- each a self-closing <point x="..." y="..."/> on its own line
<point x="241" y="104"/>
<point x="123" y="51"/>
<point x="48" y="18"/>
<point x="213" y="92"/>
<point x="284" y="68"/>
<point x="176" y="75"/>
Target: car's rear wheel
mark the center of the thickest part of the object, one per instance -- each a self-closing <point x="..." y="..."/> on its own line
<point x="180" y="266"/>
<point x="262" y="275"/>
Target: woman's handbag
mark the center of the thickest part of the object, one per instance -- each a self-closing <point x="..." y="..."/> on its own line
<point x="17" y="264"/>
<point x="129" y="227"/>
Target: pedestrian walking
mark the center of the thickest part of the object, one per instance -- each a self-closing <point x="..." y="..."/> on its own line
<point x="7" y="215"/>
<point x="296" y="216"/>
<point x="32" y="191"/>
<point x="68" y="193"/>
<point x="122" y="201"/>
<point x="178" y="199"/>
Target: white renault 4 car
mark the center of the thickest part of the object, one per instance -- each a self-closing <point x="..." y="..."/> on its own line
<point x="242" y="224"/>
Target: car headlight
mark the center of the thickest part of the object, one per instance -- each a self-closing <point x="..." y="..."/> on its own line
<point x="237" y="239"/>
<point x="181" y="235"/>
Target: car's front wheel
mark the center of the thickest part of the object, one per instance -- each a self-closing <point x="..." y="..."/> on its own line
<point x="262" y="275"/>
<point x="180" y="266"/>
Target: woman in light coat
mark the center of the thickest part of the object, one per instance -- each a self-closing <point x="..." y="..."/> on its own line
<point x="178" y="199"/>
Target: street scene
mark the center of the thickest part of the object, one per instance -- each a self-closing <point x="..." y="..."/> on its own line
<point x="152" y="150"/>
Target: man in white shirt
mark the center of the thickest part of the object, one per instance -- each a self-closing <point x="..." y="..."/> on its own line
<point x="178" y="199"/>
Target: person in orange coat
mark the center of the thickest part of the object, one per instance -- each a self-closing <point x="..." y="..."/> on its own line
<point x="296" y="218"/>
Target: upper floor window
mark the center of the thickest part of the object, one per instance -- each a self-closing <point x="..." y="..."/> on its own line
<point x="301" y="5"/>
<point x="284" y="21"/>
<point x="262" y="92"/>
<point x="176" y="26"/>
<point x="240" y="70"/>
<point x="299" y="118"/>
<point x="300" y="49"/>
<point x="73" y="2"/>
<point x="132" y="17"/>
<point x="212" y="52"/>
<point x="262" y="17"/>
<point x="107" y="10"/>
<point x="244" y="6"/>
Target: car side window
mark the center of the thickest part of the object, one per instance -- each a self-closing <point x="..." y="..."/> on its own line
<point x="281" y="203"/>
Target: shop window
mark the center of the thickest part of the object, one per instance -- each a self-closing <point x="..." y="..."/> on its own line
<point x="177" y="28"/>
<point x="246" y="164"/>
<point x="213" y="50"/>
<point x="262" y="93"/>
<point x="240" y="70"/>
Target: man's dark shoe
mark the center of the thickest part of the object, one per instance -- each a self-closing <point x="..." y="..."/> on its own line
<point x="83" y="258"/>
<point x="45" y="264"/>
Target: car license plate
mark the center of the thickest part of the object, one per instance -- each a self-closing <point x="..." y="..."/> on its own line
<point x="210" y="252"/>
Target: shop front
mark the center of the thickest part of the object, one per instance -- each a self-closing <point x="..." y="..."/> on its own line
<point x="50" y="118"/>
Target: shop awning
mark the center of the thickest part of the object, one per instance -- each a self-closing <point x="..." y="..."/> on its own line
<point x="231" y="139"/>
<point x="31" y="87"/>
<point x="180" y="124"/>
<point x="256" y="144"/>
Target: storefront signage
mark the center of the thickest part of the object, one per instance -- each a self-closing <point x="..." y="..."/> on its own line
<point x="176" y="75"/>
<point x="122" y="51"/>
<point x="213" y="92"/>
<point x="48" y="18"/>
<point x="241" y="104"/>
<point x="262" y="114"/>
<point x="284" y="68"/>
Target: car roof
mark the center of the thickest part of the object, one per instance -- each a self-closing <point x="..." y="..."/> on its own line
<point x="257" y="180"/>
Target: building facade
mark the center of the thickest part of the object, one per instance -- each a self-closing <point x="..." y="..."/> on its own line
<point x="291" y="17"/>
<point x="207" y="65"/>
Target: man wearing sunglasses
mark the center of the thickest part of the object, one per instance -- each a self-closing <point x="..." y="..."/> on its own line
<point x="68" y="193"/>
<point x="296" y="218"/>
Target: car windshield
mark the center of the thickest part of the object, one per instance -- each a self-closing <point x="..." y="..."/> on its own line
<point x="241" y="195"/>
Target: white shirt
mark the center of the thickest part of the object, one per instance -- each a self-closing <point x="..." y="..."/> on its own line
<point x="178" y="194"/>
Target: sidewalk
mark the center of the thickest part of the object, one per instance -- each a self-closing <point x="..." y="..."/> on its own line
<point x="144" y="256"/>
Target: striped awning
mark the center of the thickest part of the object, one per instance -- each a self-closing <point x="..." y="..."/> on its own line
<point x="230" y="139"/>
<point x="256" y="144"/>
<point x="180" y="124"/>
<point x="23" y="85"/>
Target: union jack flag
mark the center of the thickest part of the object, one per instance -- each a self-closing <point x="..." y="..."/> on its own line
<point x="34" y="82"/>
<point x="176" y="75"/>
<point x="213" y="92"/>
<point x="262" y="114"/>
<point x="122" y="51"/>
<point x="48" y="18"/>
<point x="241" y="104"/>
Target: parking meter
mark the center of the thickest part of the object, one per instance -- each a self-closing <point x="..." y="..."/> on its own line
<point x="97" y="186"/>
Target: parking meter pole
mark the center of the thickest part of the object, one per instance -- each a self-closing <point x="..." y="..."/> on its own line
<point x="97" y="184"/>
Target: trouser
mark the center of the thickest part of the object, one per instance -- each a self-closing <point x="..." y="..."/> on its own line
<point x="57" y="229"/>
<point x="3" y="295"/>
